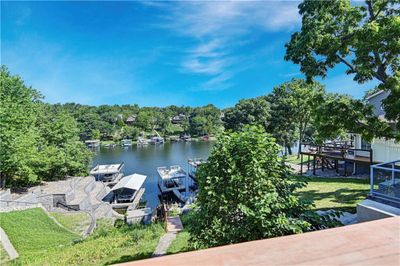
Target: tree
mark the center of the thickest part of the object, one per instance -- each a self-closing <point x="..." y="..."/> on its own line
<point x="292" y="105"/>
<point x="38" y="142"/>
<point x="254" y="111"/>
<point x="18" y="135"/>
<point x="364" y="38"/>
<point x="198" y="125"/>
<point x="338" y="114"/>
<point x="144" y="120"/>
<point x="245" y="193"/>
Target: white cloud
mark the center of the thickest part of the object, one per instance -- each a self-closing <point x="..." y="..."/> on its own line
<point x="217" y="28"/>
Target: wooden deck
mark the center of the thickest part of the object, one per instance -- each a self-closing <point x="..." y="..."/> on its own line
<point x="356" y="159"/>
<point x="370" y="243"/>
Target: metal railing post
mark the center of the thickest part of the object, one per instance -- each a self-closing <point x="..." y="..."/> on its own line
<point x="393" y="174"/>
<point x="372" y="180"/>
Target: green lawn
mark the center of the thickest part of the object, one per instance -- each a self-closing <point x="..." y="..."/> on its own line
<point x="180" y="244"/>
<point x="77" y="222"/>
<point x="328" y="193"/>
<point x="33" y="233"/>
<point x="334" y="193"/>
<point x="293" y="159"/>
<point x="40" y="241"/>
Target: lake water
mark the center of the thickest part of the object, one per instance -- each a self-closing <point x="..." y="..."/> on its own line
<point x="145" y="160"/>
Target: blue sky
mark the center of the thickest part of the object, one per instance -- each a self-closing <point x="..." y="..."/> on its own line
<point x="154" y="53"/>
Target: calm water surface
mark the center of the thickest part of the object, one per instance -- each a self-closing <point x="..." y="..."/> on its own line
<point x="145" y="160"/>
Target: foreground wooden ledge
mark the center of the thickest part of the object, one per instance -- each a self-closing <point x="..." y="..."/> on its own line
<point x="370" y="243"/>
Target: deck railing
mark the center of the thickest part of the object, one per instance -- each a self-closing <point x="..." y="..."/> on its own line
<point x="343" y="151"/>
<point x="385" y="181"/>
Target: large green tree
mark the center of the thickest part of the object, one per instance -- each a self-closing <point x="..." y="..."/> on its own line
<point x="38" y="142"/>
<point x="338" y="114"/>
<point x="362" y="37"/>
<point x="18" y="135"/>
<point x="292" y="106"/>
<point x="245" y="193"/>
<point x="255" y="111"/>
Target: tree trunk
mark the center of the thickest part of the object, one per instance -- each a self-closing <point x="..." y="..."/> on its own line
<point x="289" y="149"/>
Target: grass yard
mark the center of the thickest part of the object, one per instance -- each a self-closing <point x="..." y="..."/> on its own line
<point x="77" y="222"/>
<point x="294" y="160"/>
<point x="40" y="241"/>
<point x="33" y="233"/>
<point x="341" y="194"/>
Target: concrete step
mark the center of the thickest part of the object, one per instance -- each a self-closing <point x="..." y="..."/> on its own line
<point x="369" y="210"/>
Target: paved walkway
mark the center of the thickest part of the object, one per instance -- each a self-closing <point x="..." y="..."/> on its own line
<point x="9" y="248"/>
<point x="174" y="226"/>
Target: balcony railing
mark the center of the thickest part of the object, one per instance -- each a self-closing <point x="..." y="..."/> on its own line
<point x="385" y="181"/>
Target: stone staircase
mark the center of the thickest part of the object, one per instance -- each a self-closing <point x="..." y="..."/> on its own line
<point x="76" y="193"/>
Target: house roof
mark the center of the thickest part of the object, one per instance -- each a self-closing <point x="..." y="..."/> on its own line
<point x="134" y="182"/>
<point x="374" y="94"/>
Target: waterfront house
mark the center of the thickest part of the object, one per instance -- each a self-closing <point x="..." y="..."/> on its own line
<point x="354" y="155"/>
<point x="178" y="119"/>
<point x="131" y="120"/>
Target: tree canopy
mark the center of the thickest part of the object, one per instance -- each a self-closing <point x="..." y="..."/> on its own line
<point x="255" y="111"/>
<point x="292" y="108"/>
<point x="36" y="143"/>
<point x="362" y="37"/>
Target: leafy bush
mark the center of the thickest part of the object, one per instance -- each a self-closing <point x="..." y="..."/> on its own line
<point x="245" y="193"/>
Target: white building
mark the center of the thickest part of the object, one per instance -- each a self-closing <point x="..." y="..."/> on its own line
<point x="383" y="150"/>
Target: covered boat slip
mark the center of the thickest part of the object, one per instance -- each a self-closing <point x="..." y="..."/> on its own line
<point x="126" y="190"/>
<point x="107" y="172"/>
<point x="193" y="164"/>
<point x="171" y="178"/>
<point x="335" y="156"/>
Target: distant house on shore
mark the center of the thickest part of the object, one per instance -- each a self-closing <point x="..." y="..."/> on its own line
<point x="131" y="120"/>
<point x="178" y="119"/>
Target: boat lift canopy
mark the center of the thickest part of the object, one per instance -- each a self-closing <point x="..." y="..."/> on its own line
<point x="106" y="169"/>
<point x="134" y="182"/>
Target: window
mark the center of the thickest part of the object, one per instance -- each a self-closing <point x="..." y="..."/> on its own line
<point x="365" y="145"/>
